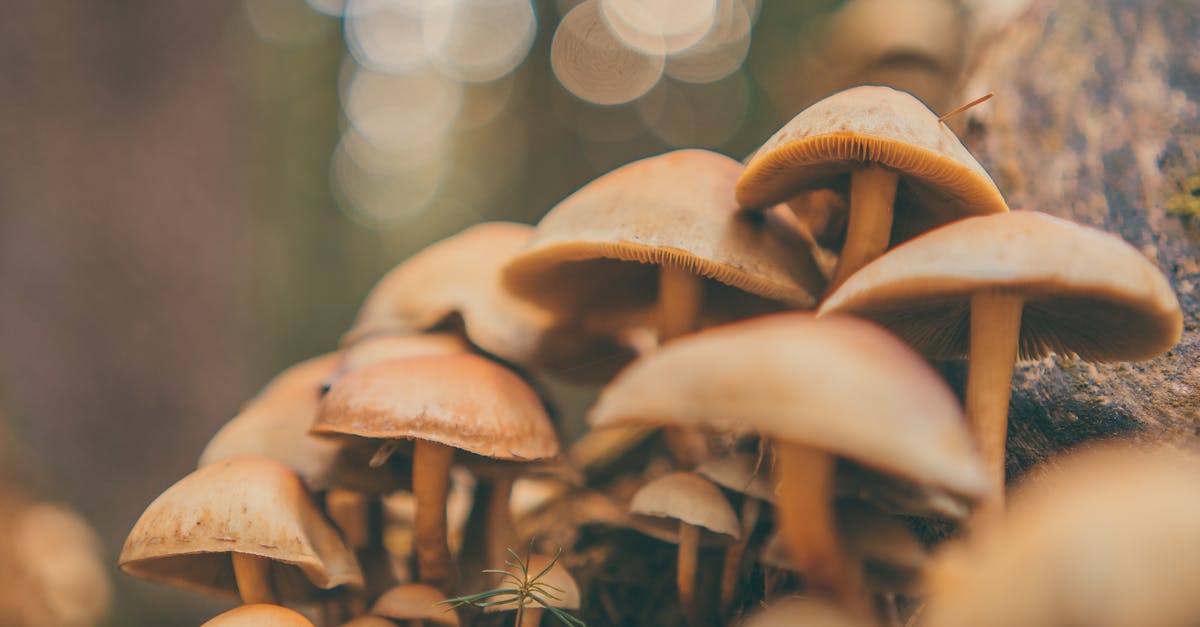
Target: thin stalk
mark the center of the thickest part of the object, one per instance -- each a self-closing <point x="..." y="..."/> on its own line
<point x="995" y="339"/>
<point x="806" y="523"/>
<point x="348" y="511"/>
<point x="872" y="199"/>
<point x="499" y="526"/>
<point x="731" y="573"/>
<point x="253" y="576"/>
<point x="680" y="297"/>
<point x="685" y="572"/>
<point x="531" y="617"/>
<point x="431" y="480"/>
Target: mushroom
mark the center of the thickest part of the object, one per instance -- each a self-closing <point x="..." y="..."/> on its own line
<point x="740" y="473"/>
<point x="1020" y="284"/>
<point x="384" y="345"/>
<point x="1105" y="538"/>
<point x="275" y="424"/>
<point x="441" y="403"/>
<point x="564" y="593"/>
<point x="416" y="603"/>
<point x="665" y="233"/>
<point x="907" y="171"/>
<point x="794" y="611"/>
<point x="259" y="615"/>
<point x="244" y="524"/>
<point x="686" y="509"/>
<point x="817" y="389"/>
<point x="458" y="278"/>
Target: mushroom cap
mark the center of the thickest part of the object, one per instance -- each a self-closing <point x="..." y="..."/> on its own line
<point x="872" y="125"/>
<point x="367" y="620"/>
<point x="599" y="249"/>
<point x="259" y="615"/>
<point x="740" y="472"/>
<point x="275" y="424"/>
<point x="383" y="346"/>
<point x="1087" y="292"/>
<point x="839" y="384"/>
<point x="660" y="506"/>
<point x="460" y="276"/>
<point x="566" y="596"/>
<point x="464" y="401"/>
<point x="1104" y="538"/>
<point x="251" y="505"/>
<point x="415" y="601"/>
<point x="794" y="611"/>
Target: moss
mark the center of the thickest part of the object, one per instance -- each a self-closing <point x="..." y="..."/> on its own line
<point x="1186" y="202"/>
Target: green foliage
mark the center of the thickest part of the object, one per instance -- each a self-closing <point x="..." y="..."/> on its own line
<point x="517" y="586"/>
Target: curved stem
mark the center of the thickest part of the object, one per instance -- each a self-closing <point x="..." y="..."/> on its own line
<point x="253" y="576"/>
<point x="731" y="573"/>
<point x="685" y="571"/>
<point x="806" y="524"/>
<point x="431" y="479"/>
<point x="498" y="524"/>
<point x="680" y="297"/>
<point x="995" y="338"/>
<point x="872" y="199"/>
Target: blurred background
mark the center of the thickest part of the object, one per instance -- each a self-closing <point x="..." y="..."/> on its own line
<point x="194" y="195"/>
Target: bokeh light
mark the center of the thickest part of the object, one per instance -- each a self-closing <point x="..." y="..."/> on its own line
<point x="685" y="114"/>
<point x="659" y="27"/>
<point x="395" y="110"/>
<point x="596" y="66"/>
<point x="283" y="22"/>
<point x="387" y="39"/>
<point x="721" y="51"/>
<point x="478" y="40"/>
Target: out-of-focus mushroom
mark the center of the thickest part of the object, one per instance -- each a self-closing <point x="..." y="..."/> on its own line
<point x="747" y="475"/>
<point x="907" y="171"/>
<point x="242" y="525"/>
<point x="259" y="615"/>
<point x="416" y="603"/>
<point x="1020" y="284"/>
<point x="559" y="591"/>
<point x="818" y="389"/>
<point x="458" y="276"/>
<point x="686" y="509"/>
<point x="794" y="612"/>
<point x="1104" y="538"/>
<point x="442" y="404"/>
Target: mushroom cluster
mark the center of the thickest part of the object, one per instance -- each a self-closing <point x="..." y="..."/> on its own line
<point x="768" y="424"/>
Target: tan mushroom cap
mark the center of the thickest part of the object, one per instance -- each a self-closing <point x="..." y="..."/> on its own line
<point x="250" y="505"/>
<point x="566" y="595"/>
<point x="276" y="424"/>
<point x="367" y="620"/>
<point x="1087" y="292"/>
<point x="598" y="250"/>
<point x="460" y="275"/>
<point x="415" y="601"/>
<point x="259" y="615"/>
<point x="463" y="401"/>
<point x="838" y="384"/>
<point x="1105" y="538"/>
<point x="384" y="346"/>
<point x="661" y="505"/>
<point x="872" y="125"/>
<point x="741" y="472"/>
<point x="794" y="612"/>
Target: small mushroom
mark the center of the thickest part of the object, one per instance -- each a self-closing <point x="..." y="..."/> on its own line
<point x="796" y="612"/>
<point x="563" y="592"/>
<point x="259" y="615"/>
<point x="417" y="604"/>
<point x="817" y="389"/>
<point x="745" y="474"/>
<point x="1020" y="284"/>
<point x="459" y="277"/>
<point x="244" y="524"/>
<point x="1105" y="537"/>
<point x="442" y="404"/>
<point x="907" y="171"/>
<point x="686" y="509"/>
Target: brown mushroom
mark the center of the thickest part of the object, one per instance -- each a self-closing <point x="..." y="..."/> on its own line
<point x="259" y="615"/>
<point x="416" y="603"/>
<point x="1020" y="284"/>
<point x="745" y="474"/>
<point x="244" y="524"/>
<point x="441" y="403"/>
<point x="907" y="171"/>
<point x="559" y="590"/>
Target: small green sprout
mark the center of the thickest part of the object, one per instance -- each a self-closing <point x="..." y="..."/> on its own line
<point x="520" y="588"/>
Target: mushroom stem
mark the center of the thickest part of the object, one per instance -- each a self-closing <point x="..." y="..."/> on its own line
<point x="498" y="523"/>
<point x="348" y="511"/>
<point x="685" y="571"/>
<point x="530" y="617"/>
<point x="732" y="568"/>
<point x="431" y="480"/>
<point x="995" y="338"/>
<point x="253" y="576"/>
<point x="680" y="296"/>
<point x="806" y="523"/>
<point x="872" y="198"/>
